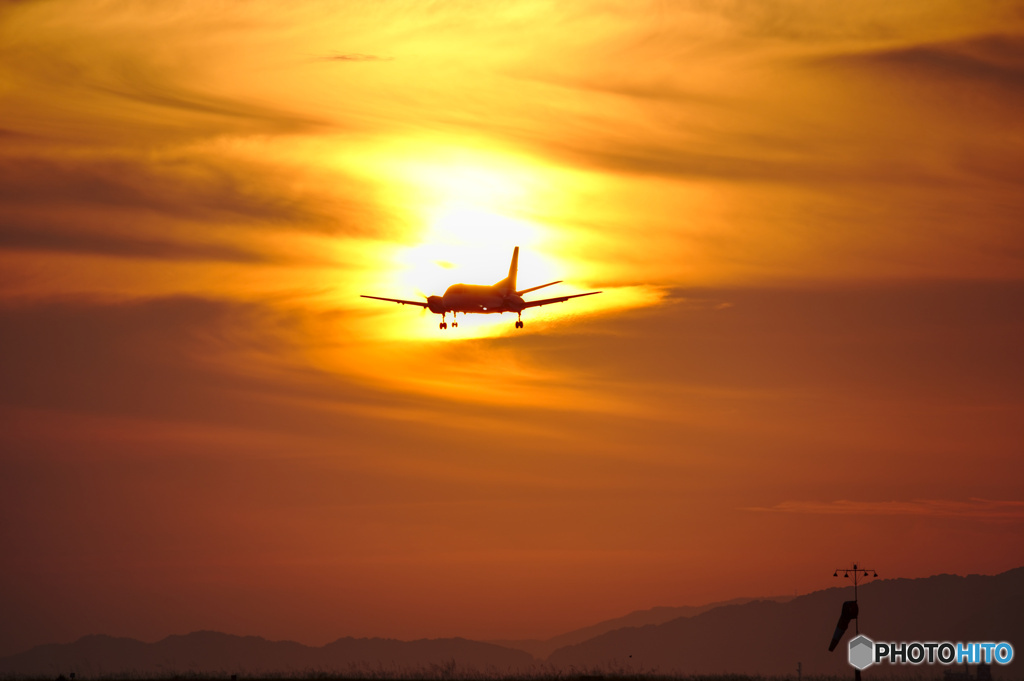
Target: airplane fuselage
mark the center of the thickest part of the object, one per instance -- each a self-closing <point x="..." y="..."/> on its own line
<point x="472" y="299"/>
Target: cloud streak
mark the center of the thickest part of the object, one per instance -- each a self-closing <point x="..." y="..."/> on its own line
<point x="938" y="508"/>
<point x="190" y="186"/>
<point x="989" y="60"/>
<point x="77" y="241"/>
<point x="354" y="57"/>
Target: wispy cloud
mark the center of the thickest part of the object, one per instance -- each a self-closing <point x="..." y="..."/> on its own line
<point x="19" y="238"/>
<point x="995" y="59"/>
<point x="192" y="186"/>
<point x="940" y="508"/>
<point x="354" y="56"/>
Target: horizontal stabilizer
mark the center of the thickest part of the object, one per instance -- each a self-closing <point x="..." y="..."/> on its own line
<point x="527" y="290"/>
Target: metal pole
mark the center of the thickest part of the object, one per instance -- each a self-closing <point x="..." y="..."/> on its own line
<point x="856" y="622"/>
<point x="857" y="573"/>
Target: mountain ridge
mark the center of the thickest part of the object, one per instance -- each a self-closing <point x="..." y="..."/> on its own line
<point x="542" y="648"/>
<point x="762" y="636"/>
<point x="210" y="651"/>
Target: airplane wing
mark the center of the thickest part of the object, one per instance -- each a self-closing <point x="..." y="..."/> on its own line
<point x="399" y="301"/>
<point x="548" y="301"/>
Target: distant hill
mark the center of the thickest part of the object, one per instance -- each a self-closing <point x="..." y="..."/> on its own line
<point x="764" y="637"/>
<point x="541" y="648"/>
<point x="212" y="652"/>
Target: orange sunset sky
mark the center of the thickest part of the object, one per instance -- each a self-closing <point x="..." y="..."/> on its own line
<point x="805" y="217"/>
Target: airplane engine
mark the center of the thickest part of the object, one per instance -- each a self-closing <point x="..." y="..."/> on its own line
<point x="514" y="303"/>
<point x="436" y="304"/>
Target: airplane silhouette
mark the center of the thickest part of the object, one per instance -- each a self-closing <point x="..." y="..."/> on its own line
<point x="499" y="298"/>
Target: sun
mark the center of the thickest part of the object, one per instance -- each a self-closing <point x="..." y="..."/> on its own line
<point x="471" y="208"/>
<point x="464" y="210"/>
<point x="466" y="243"/>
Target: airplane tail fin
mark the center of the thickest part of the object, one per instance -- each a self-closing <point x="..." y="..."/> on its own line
<point x="509" y="283"/>
<point x="513" y="270"/>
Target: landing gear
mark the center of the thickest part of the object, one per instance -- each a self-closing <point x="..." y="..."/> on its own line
<point x="443" y="325"/>
<point x="519" y="322"/>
